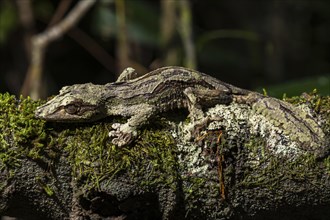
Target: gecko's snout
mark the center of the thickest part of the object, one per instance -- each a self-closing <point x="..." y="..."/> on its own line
<point x="42" y="112"/>
<point x="39" y="112"/>
<point x="45" y="111"/>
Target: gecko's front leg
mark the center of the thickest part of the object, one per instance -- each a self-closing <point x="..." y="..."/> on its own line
<point x="124" y="134"/>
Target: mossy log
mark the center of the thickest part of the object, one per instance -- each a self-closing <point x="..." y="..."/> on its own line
<point x="73" y="171"/>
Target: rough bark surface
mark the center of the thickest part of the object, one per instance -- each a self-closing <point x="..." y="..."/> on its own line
<point x="72" y="171"/>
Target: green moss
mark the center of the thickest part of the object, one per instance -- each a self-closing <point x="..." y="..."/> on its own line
<point x="256" y="147"/>
<point x="48" y="190"/>
<point x="43" y="185"/>
<point x="88" y="147"/>
<point x="21" y="135"/>
<point x="159" y="150"/>
<point x="95" y="159"/>
<point x="150" y="161"/>
<point x="327" y="164"/>
<point x="272" y="173"/>
<point x="193" y="193"/>
<point x="324" y="110"/>
<point x="313" y="99"/>
<point x="319" y="104"/>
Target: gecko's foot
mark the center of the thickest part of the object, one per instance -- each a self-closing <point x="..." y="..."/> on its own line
<point x="201" y="125"/>
<point x="122" y="134"/>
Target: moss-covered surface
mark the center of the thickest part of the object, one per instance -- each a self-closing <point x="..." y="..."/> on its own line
<point x="93" y="158"/>
<point x="29" y="159"/>
<point x="88" y="147"/>
<point x="274" y="180"/>
<point x="319" y="104"/>
<point x="21" y="134"/>
<point x="305" y="167"/>
<point x="238" y="181"/>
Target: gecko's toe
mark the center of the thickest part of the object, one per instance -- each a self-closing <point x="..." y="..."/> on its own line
<point x="117" y="142"/>
<point x="122" y="134"/>
<point x="116" y="125"/>
<point x="122" y="140"/>
<point x="114" y="133"/>
<point x="127" y="137"/>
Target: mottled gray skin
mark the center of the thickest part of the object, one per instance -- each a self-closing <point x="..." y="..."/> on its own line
<point x="140" y="98"/>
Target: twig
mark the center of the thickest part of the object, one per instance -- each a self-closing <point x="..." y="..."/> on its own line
<point x="122" y="48"/>
<point x="185" y="30"/>
<point x="32" y="83"/>
<point x="168" y="18"/>
<point x="27" y="21"/>
<point x="60" y="11"/>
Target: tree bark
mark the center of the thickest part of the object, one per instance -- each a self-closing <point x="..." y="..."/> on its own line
<point x="72" y="171"/>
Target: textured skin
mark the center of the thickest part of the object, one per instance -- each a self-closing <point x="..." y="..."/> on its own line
<point x="161" y="90"/>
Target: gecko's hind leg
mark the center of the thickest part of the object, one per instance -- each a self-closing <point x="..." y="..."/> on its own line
<point x="198" y="98"/>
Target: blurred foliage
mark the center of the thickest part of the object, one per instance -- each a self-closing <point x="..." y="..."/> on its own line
<point x="291" y="88"/>
<point x="250" y="44"/>
<point x="43" y="9"/>
<point x="8" y="20"/>
<point x="141" y="29"/>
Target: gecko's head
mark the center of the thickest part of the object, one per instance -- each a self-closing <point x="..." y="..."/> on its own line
<point x="76" y="103"/>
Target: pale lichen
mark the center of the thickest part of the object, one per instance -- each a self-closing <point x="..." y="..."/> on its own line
<point x="257" y="154"/>
<point x="289" y="132"/>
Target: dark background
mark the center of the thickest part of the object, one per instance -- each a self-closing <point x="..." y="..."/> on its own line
<point x="280" y="45"/>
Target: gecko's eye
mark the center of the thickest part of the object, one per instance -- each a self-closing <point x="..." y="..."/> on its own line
<point x="71" y="109"/>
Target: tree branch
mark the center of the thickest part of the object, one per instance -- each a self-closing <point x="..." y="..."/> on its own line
<point x="39" y="43"/>
<point x="51" y="171"/>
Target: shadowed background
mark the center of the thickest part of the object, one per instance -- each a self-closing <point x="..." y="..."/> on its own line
<point x="283" y="46"/>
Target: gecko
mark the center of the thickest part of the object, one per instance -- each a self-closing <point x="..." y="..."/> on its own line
<point x="139" y="98"/>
